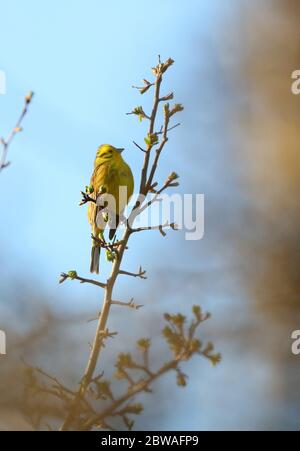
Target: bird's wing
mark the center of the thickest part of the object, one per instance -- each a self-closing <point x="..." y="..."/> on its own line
<point x="99" y="179"/>
<point x="126" y="179"/>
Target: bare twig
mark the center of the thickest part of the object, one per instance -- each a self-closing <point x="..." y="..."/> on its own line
<point x="169" y="129"/>
<point x="60" y="390"/>
<point x="168" y="183"/>
<point x="143" y="188"/>
<point x="138" y="387"/>
<point x="159" y="149"/>
<point x="113" y="246"/>
<point x="86" y="198"/>
<point x="160" y="227"/>
<point x="141" y="274"/>
<point x="139" y="147"/>
<point x="56" y="382"/>
<point x="73" y="275"/>
<point x="130" y="304"/>
<point x="17" y="129"/>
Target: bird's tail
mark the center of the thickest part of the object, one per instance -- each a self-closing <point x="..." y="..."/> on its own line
<point x="95" y="259"/>
<point x="113" y="230"/>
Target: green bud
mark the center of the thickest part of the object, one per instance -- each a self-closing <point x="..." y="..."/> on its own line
<point x="102" y="189"/>
<point x="143" y="344"/>
<point x="181" y="379"/>
<point x="176" y="109"/>
<point x="173" y="176"/>
<point x="110" y="256"/>
<point x="215" y="359"/>
<point x="134" y="409"/>
<point x="151" y="139"/>
<point x="197" y="312"/>
<point x="29" y="97"/>
<point x="89" y="189"/>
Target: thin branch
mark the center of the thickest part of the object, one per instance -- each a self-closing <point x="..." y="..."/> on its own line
<point x="139" y="147"/>
<point x="169" y="129"/>
<point x="144" y="88"/>
<point x="95" y="318"/>
<point x="128" y="377"/>
<point x="140" y="386"/>
<point x="54" y="380"/>
<point x="143" y="368"/>
<point x="52" y="392"/>
<point x="86" y="198"/>
<point x="97" y="378"/>
<point x="160" y="227"/>
<point x="114" y="245"/>
<point x="141" y="274"/>
<point x="142" y="115"/>
<point x="130" y="304"/>
<point x="143" y="188"/>
<point x="168" y="183"/>
<point x="74" y="276"/>
<point x="160" y="148"/>
<point x="105" y="425"/>
<point x="166" y="98"/>
<point x="61" y="388"/>
<point x="17" y="129"/>
<point x="106" y="334"/>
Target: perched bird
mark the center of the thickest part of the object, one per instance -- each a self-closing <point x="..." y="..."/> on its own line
<point x="110" y="173"/>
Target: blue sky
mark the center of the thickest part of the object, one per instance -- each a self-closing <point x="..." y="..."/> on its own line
<point x="80" y="59"/>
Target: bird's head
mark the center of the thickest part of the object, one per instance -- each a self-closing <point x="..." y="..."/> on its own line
<point x="106" y="152"/>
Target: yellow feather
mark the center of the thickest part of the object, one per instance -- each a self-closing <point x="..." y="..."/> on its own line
<point x="110" y="172"/>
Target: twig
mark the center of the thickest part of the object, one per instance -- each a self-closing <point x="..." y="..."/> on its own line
<point x="73" y="275"/>
<point x="159" y="150"/>
<point x="139" y="387"/>
<point x="169" y="129"/>
<point x="144" y="88"/>
<point x="114" y="245"/>
<point x="86" y="198"/>
<point x="17" y="129"/>
<point x="54" y="380"/>
<point x="168" y="183"/>
<point x="61" y="388"/>
<point x="139" y="147"/>
<point x="130" y="304"/>
<point x="158" y="81"/>
<point x="95" y="318"/>
<point x="141" y="274"/>
<point x="160" y="227"/>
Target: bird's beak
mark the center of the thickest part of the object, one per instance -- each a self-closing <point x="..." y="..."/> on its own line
<point x="120" y="149"/>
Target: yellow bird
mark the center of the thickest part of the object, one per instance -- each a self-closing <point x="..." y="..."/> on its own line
<point x="110" y="173"/>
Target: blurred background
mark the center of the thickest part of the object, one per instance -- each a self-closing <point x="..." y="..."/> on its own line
<point x="238" y="144"/>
